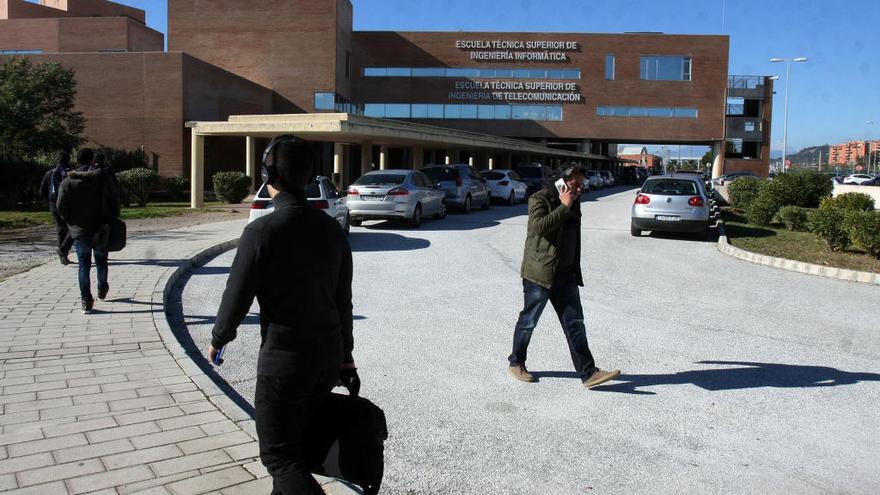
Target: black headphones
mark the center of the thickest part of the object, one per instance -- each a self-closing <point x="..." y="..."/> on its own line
<point x="268" y="172"/>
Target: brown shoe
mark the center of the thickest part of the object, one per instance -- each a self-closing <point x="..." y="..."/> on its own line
<point x="600" y="376"/>
<point x="520" y="372"/>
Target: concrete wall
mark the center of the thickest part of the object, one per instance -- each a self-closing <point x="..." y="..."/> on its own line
<point x="873" y="191"/>
<point x="706" y="91"/>
<point x="755" y="166"/>
<point x="79" y="34"/>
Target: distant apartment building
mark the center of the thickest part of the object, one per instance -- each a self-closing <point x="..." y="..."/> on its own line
<point x="851" y="152"/>
<point x="640" y="154"/>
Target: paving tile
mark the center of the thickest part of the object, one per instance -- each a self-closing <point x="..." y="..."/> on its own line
<point x="59" y="472"/>
<point x="79" y="427"/>
<point x="191" y="420"/>
<point x="93" y="450"/>
<point x="83" y="410"/>
<point x="15" y="464"/>
<point x="128" y="431"/>
<point x="166" y="437"/>
<point x="214" y="442"/>
<point x="47" y="445"/>
<point x="244" y="451"/>
<point x="54" y="488"/>
<point x="117" y="477"/>
<point x="190" y="462"/>
<point x="141" y="456"/>
<point x="151" y="415"/>
<point x="210" y="481"/>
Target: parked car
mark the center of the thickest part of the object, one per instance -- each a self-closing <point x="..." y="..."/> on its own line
<point x="535" y="177"/>
<point x="505" y="185"/>
<point x="395" y="195"/>
<point x="671" y="203"/>
<point x="607" y="177"/>
<point x="595" y="181"/>
<point x="462" y="184"/>
<point x="857" y="179"/>
<point x="321" y="193"/>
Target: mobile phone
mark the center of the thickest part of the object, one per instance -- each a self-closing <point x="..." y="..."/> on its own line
<point x="560" y="185"/>
<point x="218" y="358"/>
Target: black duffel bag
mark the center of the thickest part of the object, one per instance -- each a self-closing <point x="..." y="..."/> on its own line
<point x="111" y="236"/>
<point x="348" y="442"/>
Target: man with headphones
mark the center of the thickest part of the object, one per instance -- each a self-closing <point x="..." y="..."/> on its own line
<point x="297" y="262"/>
<point x="551" y="271"/>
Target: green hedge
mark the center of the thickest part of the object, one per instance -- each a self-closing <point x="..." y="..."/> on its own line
<point x="828" y="223"/>
<point x="794" y="217"/>
<point x="136" y="185"/>
<point x="20" y="187"/>
<point x="231" y="187"/>
<point x="851" y="201"/>
<point x="762" y="209"/>
<point x="178" y="188"/>
<point x="863" y="228"/>
<point x="744" y="190"/>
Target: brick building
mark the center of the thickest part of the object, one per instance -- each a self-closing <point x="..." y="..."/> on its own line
<point x="851" y="152"/>
<point x="579" y="92"/>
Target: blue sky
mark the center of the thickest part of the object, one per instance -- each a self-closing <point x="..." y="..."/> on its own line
<point x="832" y="95"/>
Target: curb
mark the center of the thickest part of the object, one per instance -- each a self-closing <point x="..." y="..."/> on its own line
<point x="794" y="266"/>
<point x="164" y="288"/>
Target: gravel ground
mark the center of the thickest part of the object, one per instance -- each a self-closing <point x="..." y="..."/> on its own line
<point x="23" y="249"/>
<point x="738" y="378"/>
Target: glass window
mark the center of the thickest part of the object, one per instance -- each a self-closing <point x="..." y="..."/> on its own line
<point x="609" y="67"/>
<point x="397" y="110"/>
<point x="374" y="71"/>
<point x="555" y="74"/>
<point x="492" y="175"/>
<point x="502" y="112"/>
<point x="25" y="52"/>
<point x="671" y="187"/>
<point x="325" y="101"/>
<point x="537" y="74"/>
<point x="488" y="73"/>
<point x="462" y="72"/>
<point x="475" y="174"/>
<point x="419" y="111"/>
<point x="736" y="106"/>
<point x="452" y="111"/>
<point x="572" y="73"/>
<point x="659" y="112"/>
<point x="486" y="111"/>
<point x="441" y="173"/>
<point x="520" y="73"/>
<point x="503" y="73"/>
<point x="554" y="112"/>
<point x="601" y="111"/>
<point x="374" y="109"/>
<point x="398" y="72"/>
<point x="468" y="111"/>
<point x="380" y="179"/>
<point x="665" y="68"/>
<point x="429" y="72"/>
<point x="435" y="111"/>
<point x="520" y="112"/>
<point x="685" y="112"/>
<point x="513" y="175"/>
<point x="313" y="189"/>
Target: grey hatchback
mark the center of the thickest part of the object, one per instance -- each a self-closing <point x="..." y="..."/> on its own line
<point x="671" y="203"/>
<point x="463" y="185"/>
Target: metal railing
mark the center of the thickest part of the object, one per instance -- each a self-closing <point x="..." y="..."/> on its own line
<point x="745" y="82"/>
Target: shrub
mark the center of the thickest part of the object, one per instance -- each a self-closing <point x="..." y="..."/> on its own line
<point x="794" y="217"/>
<point x="762" y="209"/>
<point x="851" y="201"/>
<point x="828" y="223"/>
<point x="20" y="187"/>
<point x="231" y="187"/>
<point x="136" y="185"/>
<point x="177" y="187"/>
<point x="744" y="190"/>
<point x="863" y="228"/>
<point x="121" y="159"/>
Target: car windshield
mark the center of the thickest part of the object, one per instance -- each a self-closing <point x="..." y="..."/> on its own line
<point x="530" y="172"/>
<point x="490" y="175"/>
<point x="380" y="179"/>
<point x="263" y="193"/>
<point x="313" y="190"/>
<point x="671" y="187"/>
<point x="441" y="173"/>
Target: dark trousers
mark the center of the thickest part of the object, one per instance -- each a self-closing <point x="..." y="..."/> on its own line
<point x="566" y="300"/>
<point x="286" y="409"/>
<point x="64" y="240"/>
<point x="84" y="251"/>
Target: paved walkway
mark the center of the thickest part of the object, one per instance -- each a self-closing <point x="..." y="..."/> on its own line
<point x="110" y="403"/>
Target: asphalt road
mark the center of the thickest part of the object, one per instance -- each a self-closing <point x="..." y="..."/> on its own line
<point x="737" y="378"/>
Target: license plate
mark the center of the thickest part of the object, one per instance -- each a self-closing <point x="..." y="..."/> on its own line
<point x="667" y="218"/>
<point x="371" y="197"/>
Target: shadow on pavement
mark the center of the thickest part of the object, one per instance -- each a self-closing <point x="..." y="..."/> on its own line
<point x="250" y="319"/>
<point x="378" y="241"/>
<point x="745" y="375"/>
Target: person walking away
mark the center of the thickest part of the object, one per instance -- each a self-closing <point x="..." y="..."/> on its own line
<point x="49" y="188"/>
<point x="297" y="263"/>
<point x="551" y="271"/>
<point x="86" y="200"/>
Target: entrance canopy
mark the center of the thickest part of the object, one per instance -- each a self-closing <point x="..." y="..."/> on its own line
<point x="346" y="129"/>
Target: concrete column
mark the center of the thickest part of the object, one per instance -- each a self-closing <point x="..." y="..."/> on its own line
<point x="383" y="157"/>
<point x="338" y="164"/>
<point x="718" y="162"/>
<point x="250" y="160"/>
<point x="197" y="171"/>
<point x="418" y="157"/>
<point x="366" y="157"/>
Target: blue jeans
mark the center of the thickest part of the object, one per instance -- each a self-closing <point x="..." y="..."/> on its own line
<point x="84" y="252"/>
<point x="566" y="300"/>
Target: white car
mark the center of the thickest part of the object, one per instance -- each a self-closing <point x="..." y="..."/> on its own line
<point x="506" y="185"/>
<point x="857" y="179"/>
<point x="321" y="193"/>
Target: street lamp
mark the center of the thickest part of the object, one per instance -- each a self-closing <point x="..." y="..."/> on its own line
<point x="785" y="121"/>
<point x="869" y="149"/>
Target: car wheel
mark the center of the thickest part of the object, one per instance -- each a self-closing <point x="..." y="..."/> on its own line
<point x="634" y="231"/>
<point x="416" y="219"/>
<point x="487" y="203"/>
<point x="466" y="207"/>
<point x="511" y="200"/>
<point x="443" y="208"/>
<point x="356" y="222"/>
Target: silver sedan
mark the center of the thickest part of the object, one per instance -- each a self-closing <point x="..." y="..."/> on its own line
<point x="671" y="203"/>
<point x="395" y="194"/>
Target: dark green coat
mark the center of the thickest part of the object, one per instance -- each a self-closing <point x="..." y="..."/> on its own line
<point x="547" y="215"/>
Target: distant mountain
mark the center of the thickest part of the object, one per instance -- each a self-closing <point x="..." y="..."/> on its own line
<point x="805" y="157"/>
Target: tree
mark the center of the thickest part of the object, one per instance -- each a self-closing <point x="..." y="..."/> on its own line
<point x="37" y="109"/>
<point x="708" y="158"/>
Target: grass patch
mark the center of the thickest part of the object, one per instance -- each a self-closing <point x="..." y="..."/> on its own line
<point x="22" y="219"/>
<point x="776" y="240"/>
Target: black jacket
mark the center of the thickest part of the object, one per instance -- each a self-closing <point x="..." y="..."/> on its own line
<point x="297" y="263"/>
<point x="46" y="185"/>
<point x="88" y="197"/>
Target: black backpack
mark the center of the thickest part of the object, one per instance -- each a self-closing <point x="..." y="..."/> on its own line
<point x="349" y="442"/>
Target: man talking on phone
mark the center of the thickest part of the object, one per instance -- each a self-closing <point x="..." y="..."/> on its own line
<point x="551" y="271"/>
<point x="297" y="262"/>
